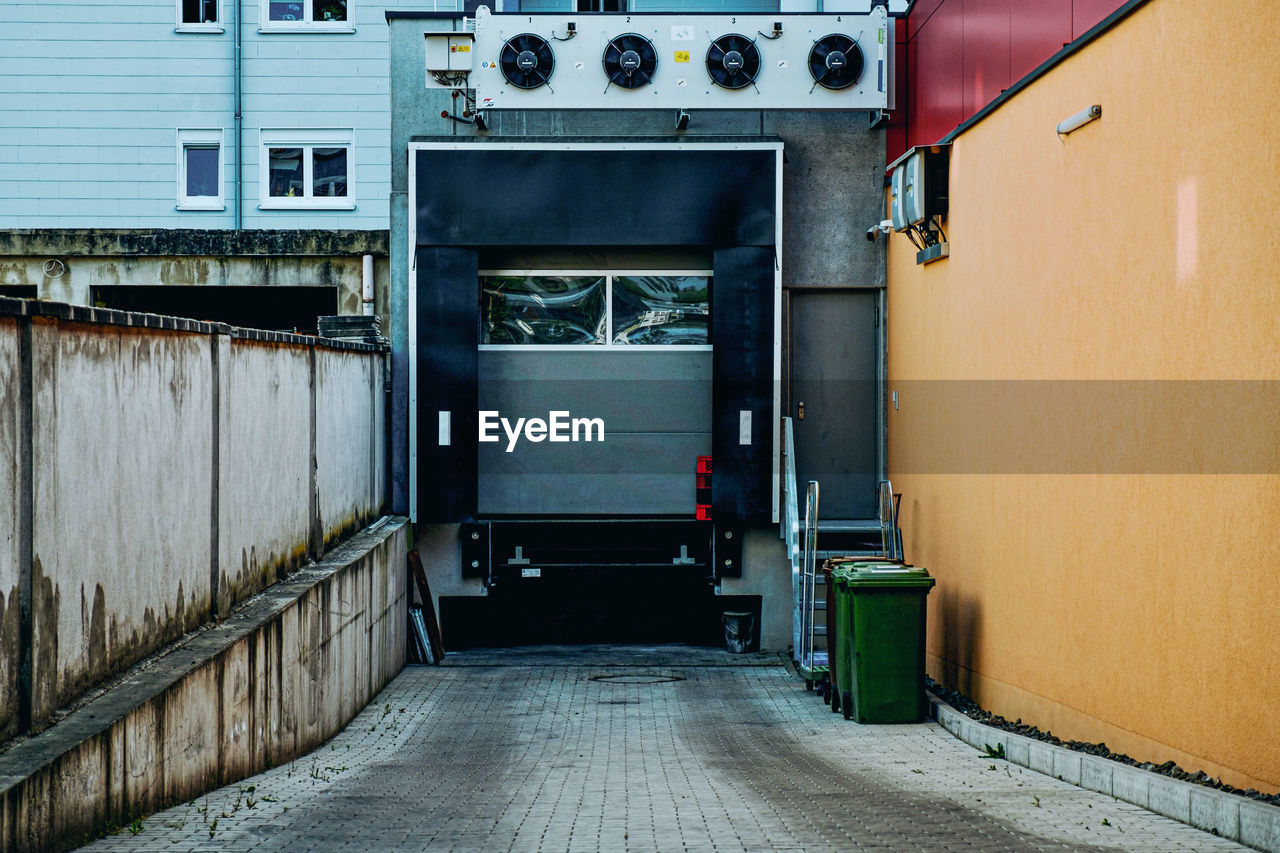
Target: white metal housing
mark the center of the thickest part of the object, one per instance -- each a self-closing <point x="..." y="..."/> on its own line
<point x="681" y="79"/>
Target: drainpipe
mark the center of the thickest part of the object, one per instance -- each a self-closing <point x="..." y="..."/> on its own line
<point x="235" y="24"/>
<point x="366" y="285"/>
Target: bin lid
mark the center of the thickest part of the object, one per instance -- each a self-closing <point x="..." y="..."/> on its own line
<point x="845" y="571"/>
<point x="868" y="576"/>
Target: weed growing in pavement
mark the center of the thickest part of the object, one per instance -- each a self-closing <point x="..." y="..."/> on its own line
<point x="996" y="751"/>
<point x="1106" y="822"/>
<point x="1035" y="801"/>
<point x="136" y="826"/>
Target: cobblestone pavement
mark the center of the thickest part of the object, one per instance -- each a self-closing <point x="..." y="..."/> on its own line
<point x="663" y="749"/>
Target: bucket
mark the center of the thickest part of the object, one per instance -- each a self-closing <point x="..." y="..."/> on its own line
<point x="739" y="628"/>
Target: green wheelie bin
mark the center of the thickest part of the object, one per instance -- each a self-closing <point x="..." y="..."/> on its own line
<point x="840" y="637"/>
<point x="882" y="648"/>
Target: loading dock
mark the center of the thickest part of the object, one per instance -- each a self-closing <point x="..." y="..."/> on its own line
<point x="551" y="264"/>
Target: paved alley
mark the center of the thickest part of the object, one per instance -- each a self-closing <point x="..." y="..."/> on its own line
<point x="658" y="749"/>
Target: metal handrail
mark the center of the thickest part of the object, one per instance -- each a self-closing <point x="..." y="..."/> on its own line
<point x="801" y="538"/>
<point x="810" y="572"/>
<point x="890" y="535"/>
<point x="789" y="529"/>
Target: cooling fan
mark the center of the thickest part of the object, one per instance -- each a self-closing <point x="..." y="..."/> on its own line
<point x="835" y="62"/>
<point x="527" y="61"/>
<point x="630" y="61"/>
<point x="733" y="61"/>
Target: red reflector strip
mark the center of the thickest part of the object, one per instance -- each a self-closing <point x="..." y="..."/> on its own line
<point x="702" y="494"/>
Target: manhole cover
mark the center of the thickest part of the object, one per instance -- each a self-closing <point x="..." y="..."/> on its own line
<point x="637" y="678"/>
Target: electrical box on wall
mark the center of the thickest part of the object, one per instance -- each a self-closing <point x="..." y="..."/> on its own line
<point x="918" y="186"/>
<point x="448" y="53"/>
<point x="650" y="61"/>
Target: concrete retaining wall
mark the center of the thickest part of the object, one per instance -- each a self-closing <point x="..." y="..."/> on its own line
<point x="274" y="680"/>
<point x="154" y="472"/>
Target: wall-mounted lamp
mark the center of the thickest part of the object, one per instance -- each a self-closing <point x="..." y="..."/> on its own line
<point x="1079" y="120"/>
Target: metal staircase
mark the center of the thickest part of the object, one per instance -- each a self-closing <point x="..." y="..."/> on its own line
<point x="810" y="543"/>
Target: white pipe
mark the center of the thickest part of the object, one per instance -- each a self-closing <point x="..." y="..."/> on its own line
<point x="1080" y="119"/>
<point x="366" y="285"/>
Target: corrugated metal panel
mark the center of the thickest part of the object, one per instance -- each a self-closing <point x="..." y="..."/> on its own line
<point x="97" y="98"/>
<point x="546" y="6"/>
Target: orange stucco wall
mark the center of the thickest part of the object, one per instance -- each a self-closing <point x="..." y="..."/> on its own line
<point x="1108" y="548"/>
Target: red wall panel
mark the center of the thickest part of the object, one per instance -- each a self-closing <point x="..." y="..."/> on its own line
<point x="937" y="67"/>
<point x="1086" y="13"/>
<point x="986" y="52"/>
<point x="961" y="54"/>
<point x="895" y="142"/>
<point x="1036" y="32"/>
<point x="920" y="13"/>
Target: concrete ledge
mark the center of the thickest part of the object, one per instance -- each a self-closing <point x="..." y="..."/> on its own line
<point x="81" y="242"/>
<point x="278" y="677"/>
<point x="111" y="317"/>
<point x="1230" y="816"/>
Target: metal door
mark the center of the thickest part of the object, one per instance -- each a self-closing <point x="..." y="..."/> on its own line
<point x="834" y="396"/>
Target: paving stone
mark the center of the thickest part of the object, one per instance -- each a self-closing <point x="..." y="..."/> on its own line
<point x="689" y="750"/>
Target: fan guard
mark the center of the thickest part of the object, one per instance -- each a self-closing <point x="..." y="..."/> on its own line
<point x="630" y="61"/>
<point x="835" y="61"/>
<point x="526" y="61"/>
<point x="733" y="61"/>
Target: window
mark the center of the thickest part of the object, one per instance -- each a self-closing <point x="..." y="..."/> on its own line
<point x="198" y="16"/>
<point x="595" y="309"/>
<point x="325" y="15"/>
<point x="307" y="169"/>
<point x="200" y="170"/>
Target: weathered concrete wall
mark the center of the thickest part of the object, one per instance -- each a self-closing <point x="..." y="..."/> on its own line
<point x="350" y="438"/>
<point x="265" y="436"/>
<point x="155" y="471"/>
<point x="10" y="551"/>
<point x="122" y="489"/>
<point x="272" y="682"/>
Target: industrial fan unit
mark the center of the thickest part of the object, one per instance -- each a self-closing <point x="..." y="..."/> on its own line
<point x="835" y="61"/>
<point x="733" y="61"/>
<point x="526" y="61"/>
<point x="630" y="61"/>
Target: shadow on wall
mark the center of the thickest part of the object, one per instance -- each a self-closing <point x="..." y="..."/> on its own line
<point x="958" y="621"/>
<point x="957" y="617"/>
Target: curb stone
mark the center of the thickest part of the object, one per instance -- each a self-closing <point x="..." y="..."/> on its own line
<point x="1229" y="816"/>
